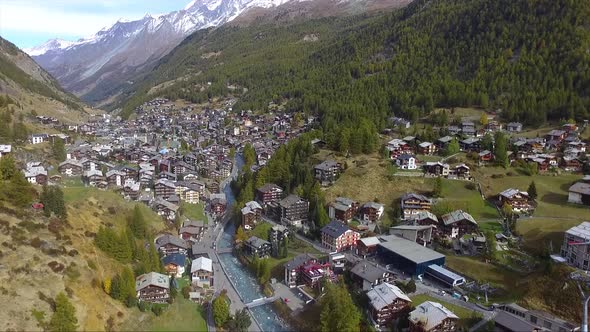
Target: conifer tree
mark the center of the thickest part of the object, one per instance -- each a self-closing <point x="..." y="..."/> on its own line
<point x="64" y="318"/>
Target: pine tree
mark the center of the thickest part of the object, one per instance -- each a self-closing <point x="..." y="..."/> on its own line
<point x="137" y="224"/>
<point x="338" y="312"/>
<point x="220" y="309"/>
<point x="532" y="191"/>
<point x="64" y="317"/>
<point x="500" y="150"/>
<point x="7" y="167"/>
<point x="59" y="150"/>
<point x="438" y="187"/>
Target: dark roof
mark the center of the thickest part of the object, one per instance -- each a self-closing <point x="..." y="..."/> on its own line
<point x="298" y="261"/>
<point x="176" y="259"/>
<point x="290" y="200"/>
<point x="171" y="239"/>
<point x="513" y="323"/>
<point x="335" y="229"/>
<point x="268" y="187"/>
<point x="580" y="188"/>
<point x="256" y="242"/>
<point x="368" y="271"/>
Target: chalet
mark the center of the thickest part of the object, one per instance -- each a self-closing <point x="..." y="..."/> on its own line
<point x="367" y="246"/>
<point x="166" y="209"/>
<point x="152" y="287"/>
<point x="115" y="178"/>
<point x="436" y="169"/>
<point x="170" y="176"/>
<point x="419" y="234"/>
<point x="306" y="269"/>
<point x="569" y="127"/>
<point x="256" y="246"/>
<point x="366" y="275"/>
<point x="556" y="135"/>
<point x="371" y="212"/>
<point x="485" y="156"/>
<point x="131" y="189"/>
<point x="460" y="172"/>
<point x="328" y="171"/>
<point x="277" y="235"/>
<point x="71" y="168"/>
<point x="571" y="164"/>
<point x="188" y="192"/>
<point x="168" y="244"/>
<point x="426" y="218"/>
<point x="338" y="237"/>
<point x="36" y="174"/>
<point x="406" y="161"/>
<point x="293" y="210"/>
<point x="39" y="138"/>
<point x="579" y="193"/>
<point x="397" y="147"/>
<point x="174" y="264"/>
<point x="343" y="209"/>
<point x="251" y="214"/>
<point x="494" y="126"/>
<point x="426" y="148"/>
<point x="192" y="231"/>
<point x="268" y="193"/>
<point x="218" y="205"/>
<point x="519" y="200"/>
<point x="5" y="150"/>
<point x="202" y="272"/>
<point x="471" y="144"/>
<point x="453" y="130"/>
<point x="514" y="127"/>
<point x="443" y="142"/>
<point x="387" y="303"/>
<point x="432" y="317"/>
<point x="412" y="204"/>
<point x="458" y="223"/>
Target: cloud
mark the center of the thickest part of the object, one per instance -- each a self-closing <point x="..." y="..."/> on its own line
<point x="62" y="17"/>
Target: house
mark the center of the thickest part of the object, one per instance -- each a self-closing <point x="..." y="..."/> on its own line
<point x="572" y="164"/>
<point x="386" y="303"/>
<point x="460" y="171"/>
<point x="412" y="204"/>
<point x="579" y="193"/>
<point x="406" y="161"/>
<point x="192" y="231"/>
<point x="174" y="264"/>
<point x="343" y="209"/>
<point x="419" y="234"/>
<point x="556" y="135"/>
<point x="115" y="178"/>
<point x="371" y="212"/>
<point x="251" y="214"/>
<point x="519" y="200"/>
<point x="443" y="142"/>
<point x="202" y="272"/>
<point x="5" y="150"/>
<point x="306" y="269"/>
<point x="426" y="148"/>
<point x="218" y="205"/>
<point x="327" y="172"/>
<point x="366" y="275"/>
<point x="576" y="246"/>
<point x="514" y="318"/>
<point x="514" y="127"/>
<point x="457" y="223"/>
<point x="166" y="209"/>
<point x="39" y="138"/>
<point x="168" y="244"/>
<point x="256" y="246"/>
<point x="152" y="287"/>
<point x="292" y="269"/>
<point x="397" y="147"/>
<point x="407" y="256"/>
<point x="36" y="174"/>
<point x="485" y="156"/>
<point x="293" y="210"/>
<point x="433" y="316"/>
<point x="338" y="237"/>
<point x="278" y="235"/>
<point x="268" y="193"/>
<point x="71" y="168"/>
<point x="436" y="169"/>
<point x="164" y="188"/>
<point x="367" y="246"/>
<point x="471" y="144"/>
<point x="426" y="218"/>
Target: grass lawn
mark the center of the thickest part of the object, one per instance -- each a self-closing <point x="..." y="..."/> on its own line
<point x="182" y="315"/>
<point x="194" y="211"/>
<point x="465" y="315"/>
<point x="456" y="193"/>
<point x="261" y="230"/>
<point x="425" y="158"/>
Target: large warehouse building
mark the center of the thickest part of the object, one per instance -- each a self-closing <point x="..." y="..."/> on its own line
<point x="407" y="255"/>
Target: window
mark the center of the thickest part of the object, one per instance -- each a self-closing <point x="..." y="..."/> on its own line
<point x="547" y="324"/>
<point x="533" y="319"/>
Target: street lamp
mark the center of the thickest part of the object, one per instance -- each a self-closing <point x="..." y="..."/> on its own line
<point x="582" y="277"/>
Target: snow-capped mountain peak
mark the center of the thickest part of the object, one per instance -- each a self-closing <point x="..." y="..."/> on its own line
<point x="49" y="45"/>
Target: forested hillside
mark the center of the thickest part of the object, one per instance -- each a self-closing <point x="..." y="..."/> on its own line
<point x="529" y="58"/>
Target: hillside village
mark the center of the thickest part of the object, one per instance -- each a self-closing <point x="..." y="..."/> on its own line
<point x="177" y="160"/>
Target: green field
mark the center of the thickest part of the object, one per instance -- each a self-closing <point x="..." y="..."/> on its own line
<point x="467" y="318"/>
<point x="481" y="271"/>
<point x="194" y="211"/>
<point x="182" y="315"/>
<point x="456" y="193"/>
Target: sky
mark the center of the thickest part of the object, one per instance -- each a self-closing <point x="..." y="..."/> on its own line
<point x="28" y="23"/>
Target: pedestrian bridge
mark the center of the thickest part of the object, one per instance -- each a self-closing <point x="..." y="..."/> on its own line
<point x="261" y="301"/>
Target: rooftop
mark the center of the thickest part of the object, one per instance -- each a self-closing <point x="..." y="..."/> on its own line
<point x="582" y="230"/>
<point x="384" y="294"/>
<point x="409" y="249"/>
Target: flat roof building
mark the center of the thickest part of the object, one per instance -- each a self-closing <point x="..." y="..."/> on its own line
<point x="407" y="255"/>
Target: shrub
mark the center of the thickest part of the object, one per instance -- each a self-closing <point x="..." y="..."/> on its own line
<point x="73" y="252"/>
<point x="112" y="210"/>
<point x="470" y="186"/>
<point x="185" y="292"/>
<point x="497" y="176"/>
<point x="157" y="310"/>
<point x="56" y="266"/>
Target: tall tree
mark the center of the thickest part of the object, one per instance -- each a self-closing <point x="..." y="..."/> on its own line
<point x="220" y="307"/>
<point x="240" y="322"/>
<point x="338" y="312"/>
<point x="137" y="224"/>
<point x="532" y="190"/>
<point x="59" y="149"/>
<point x="500" y="151"/>
<point x="64" y="318"/>
<point x="7" y="167"/>
<point x="438" y="187"/>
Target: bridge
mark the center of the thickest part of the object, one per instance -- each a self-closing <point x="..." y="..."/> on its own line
<point x="261" y="301"/>
<point x="225" y="250"/>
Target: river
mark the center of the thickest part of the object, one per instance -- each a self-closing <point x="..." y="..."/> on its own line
<point x="245" y="283"/>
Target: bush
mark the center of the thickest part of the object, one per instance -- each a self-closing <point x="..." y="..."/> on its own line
<point x="470" y="186"/>
<point x="497" y="176"/>
<point x="144" y="306"/>
<point x="157" y="310"/>
<point x="186" y="292"/>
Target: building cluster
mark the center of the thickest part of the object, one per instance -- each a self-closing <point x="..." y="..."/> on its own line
<point x="560" y="148"/>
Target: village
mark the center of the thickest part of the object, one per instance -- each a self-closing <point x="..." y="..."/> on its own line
<point x="178" y="161"/>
